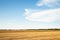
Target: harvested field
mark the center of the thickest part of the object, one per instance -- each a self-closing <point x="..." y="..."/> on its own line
<point x="29" y="34"/>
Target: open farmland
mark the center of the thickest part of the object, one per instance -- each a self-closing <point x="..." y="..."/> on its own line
<point x="29" y="34"/>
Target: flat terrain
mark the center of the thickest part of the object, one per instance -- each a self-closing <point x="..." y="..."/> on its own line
<point x="29" y="34"/>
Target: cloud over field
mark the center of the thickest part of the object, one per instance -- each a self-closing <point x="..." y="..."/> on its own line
<point x="49" y="15"/>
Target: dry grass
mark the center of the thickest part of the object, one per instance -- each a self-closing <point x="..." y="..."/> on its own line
<point x="29" y="35"/>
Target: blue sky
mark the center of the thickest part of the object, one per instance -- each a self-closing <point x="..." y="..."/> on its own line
<point x="29" y="14"/>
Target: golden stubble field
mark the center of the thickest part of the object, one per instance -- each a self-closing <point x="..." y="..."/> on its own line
<point x="29" y="34"/>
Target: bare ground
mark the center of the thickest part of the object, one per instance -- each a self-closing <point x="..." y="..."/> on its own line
<point x="29" y="35"/>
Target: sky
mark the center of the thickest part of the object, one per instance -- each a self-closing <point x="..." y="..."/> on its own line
<point x="29" y="14"/>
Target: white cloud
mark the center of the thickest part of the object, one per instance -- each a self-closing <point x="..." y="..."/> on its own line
<point x="51" y="15"/>
<point x="49" y="3"/>
<point x="27" y="11"/>
<point x="44" y="16"/>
